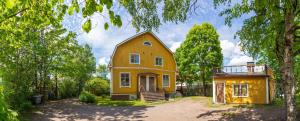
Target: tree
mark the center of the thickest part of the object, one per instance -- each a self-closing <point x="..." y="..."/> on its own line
<point x="102" y="71"/>
<point x="273" y="29"/>
<point x="83" y="65"/>
<point x="200" y="53"/>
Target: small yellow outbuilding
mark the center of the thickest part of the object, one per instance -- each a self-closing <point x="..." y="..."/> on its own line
<point x="141" y="63"/>
<point x="243" y="84"/>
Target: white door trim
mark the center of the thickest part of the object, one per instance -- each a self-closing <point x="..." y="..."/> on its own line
<point x="147" y="83"/>
<point x="267" y="90"/>
<point x="214" y="91"/>
<point x="224" y="94"/>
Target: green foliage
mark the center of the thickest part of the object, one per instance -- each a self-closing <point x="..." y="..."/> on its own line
<point x="6" y="114"/>
<point x="146" y="15"/>
<point x="87" y="26"/>
<point x="68" y="89"/>
<point x="97" y="86"/>
<point x="262" y="35"/>
<point x="271" y="35"/>
<point x="199" y="54"/>
<point x="87" y="97"/>
<point x="102" y="71"/>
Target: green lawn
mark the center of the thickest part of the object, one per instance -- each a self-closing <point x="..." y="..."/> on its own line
<point x="106" y="101"/>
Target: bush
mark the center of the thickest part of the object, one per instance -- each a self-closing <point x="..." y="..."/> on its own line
<point x="67" y="89"/>
<point x="97" y="86"/>
<point x="5" y="113"/>
<point x="87" y="97"/>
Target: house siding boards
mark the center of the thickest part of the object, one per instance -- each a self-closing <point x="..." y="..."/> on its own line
<point x="120" y="63"/>
<point x="256" y="89"/>
<point x="134" y="80"/>
<point x="147" y="53"/>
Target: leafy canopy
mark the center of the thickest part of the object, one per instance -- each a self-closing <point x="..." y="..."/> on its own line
<point x="199" y="53"/>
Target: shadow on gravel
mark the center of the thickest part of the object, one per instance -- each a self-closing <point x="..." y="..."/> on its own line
<point x="246" y="114"/>
<point x="71" y="109"/>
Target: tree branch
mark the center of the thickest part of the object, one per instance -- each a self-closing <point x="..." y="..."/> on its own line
<point x="13" y="15"/>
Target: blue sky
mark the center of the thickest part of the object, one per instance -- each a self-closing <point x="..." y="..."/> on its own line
<point x="104" y="41"/>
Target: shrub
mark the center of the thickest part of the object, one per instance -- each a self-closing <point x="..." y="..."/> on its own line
<point x="97" y="86"/>
<point x="87" y="97"/>
<point x="68" y="89"/>
<point x="6" y="114"/>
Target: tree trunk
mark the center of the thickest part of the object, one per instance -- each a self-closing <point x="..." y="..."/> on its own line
<point x="56" y="87"/>
<point x="287" y="68"/>
<point x="204" y="85"/>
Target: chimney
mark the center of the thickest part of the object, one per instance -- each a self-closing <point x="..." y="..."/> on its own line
<point x="250" y="67"/>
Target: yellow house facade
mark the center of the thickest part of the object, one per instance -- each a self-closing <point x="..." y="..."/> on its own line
<point x="141" y="63"/>
<point x="243" y="84"/>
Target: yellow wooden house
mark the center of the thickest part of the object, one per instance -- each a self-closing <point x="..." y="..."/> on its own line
<point x="141" y="63"/>
<point x="243" y="84"/>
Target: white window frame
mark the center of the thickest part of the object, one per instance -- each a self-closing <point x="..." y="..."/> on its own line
<point x="147" y="45"/>
<point x="240" y="86"/>
<point x="121" y="79"/>
<point x="162" y="61"/>
<point x="134" y="54"/>
<point x="168" y="80"/>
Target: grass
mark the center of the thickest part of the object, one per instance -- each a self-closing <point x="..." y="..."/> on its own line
<point x="106" y="101"/>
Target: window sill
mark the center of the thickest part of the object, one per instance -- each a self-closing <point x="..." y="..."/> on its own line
<point x="125" y="86"/>
<point x="135" y="63"/>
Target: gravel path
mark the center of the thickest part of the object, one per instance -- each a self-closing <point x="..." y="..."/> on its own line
<point x="185" y="109"/>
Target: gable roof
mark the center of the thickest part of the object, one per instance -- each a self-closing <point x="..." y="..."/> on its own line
<point x="131" y="38"/>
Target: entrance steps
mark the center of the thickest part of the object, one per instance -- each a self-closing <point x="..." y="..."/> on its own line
<point x="152" y="96"/>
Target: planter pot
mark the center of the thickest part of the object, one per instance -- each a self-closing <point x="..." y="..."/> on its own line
<point x="37" y="99"/>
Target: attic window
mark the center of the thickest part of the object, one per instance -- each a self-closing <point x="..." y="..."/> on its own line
<point x="147" y="43"/>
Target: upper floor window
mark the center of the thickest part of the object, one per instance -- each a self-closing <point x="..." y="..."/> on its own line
<point x="240" y="90"/>
<point x="158" y="61"/>
<point x="125" y="80"/>
<point x="147" y="43"/>
<point x="166" y="81"/>
<point x="134" y="58"/>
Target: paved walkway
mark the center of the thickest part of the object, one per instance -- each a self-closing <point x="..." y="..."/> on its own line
<point x="185" y="109"/>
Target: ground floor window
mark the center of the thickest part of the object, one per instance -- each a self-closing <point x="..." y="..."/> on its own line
<point x="166" y="81"/>
<point x="125" y="80"/>
<point x="240" y="90"/>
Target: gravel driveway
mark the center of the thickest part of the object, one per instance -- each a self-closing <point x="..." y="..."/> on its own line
<point x="185" y="109"/>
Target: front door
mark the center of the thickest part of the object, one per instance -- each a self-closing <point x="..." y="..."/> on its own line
<point x="147" y="83"/>
<point x="220" y="92"/>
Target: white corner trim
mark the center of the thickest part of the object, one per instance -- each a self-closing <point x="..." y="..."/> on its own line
<point x="267" y="90"/>
<point x="224" y="92"/>
<point x="214" y="91"/>
<point x="129" y="80"/>
<point x="162" y="78"/>
<point x="175" y="87"/>
<point x="111" y="81"/>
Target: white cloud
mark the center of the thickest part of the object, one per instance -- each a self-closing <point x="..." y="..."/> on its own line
<point x="233" y="53"/>
<point x="227" y="48"/>
<point x="240" y="60"/>
<point x="103" y="60"/>
<point x="174" y="46"/>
